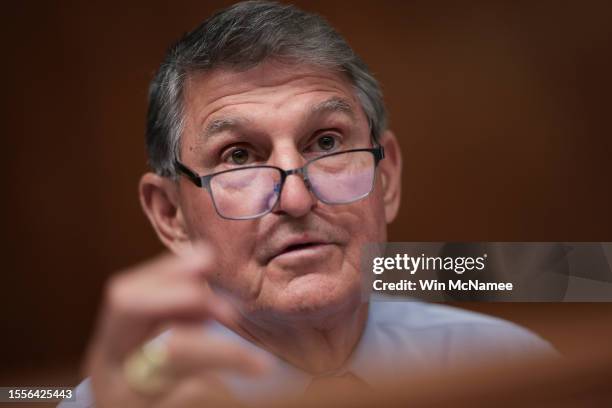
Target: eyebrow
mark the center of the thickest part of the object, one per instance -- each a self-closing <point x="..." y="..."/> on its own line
<point x="219" y="125"/>
<point x="331" y="105"/>
<point x="335" y="104"/>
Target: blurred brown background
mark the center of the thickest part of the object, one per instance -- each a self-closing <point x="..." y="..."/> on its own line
<point x="502" y="108"/>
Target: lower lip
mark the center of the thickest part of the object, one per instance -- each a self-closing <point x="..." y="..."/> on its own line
<point x="307" y="254"/>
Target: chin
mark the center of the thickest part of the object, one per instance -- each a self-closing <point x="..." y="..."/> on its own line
<point x="318" y="297"/>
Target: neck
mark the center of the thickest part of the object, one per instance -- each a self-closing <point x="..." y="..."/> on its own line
<point x="315" y="346"/>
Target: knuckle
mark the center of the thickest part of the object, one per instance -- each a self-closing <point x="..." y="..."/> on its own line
<point x="189" y="301"/>
<point x="117" y="294"/>
<point x="174" y="345"/>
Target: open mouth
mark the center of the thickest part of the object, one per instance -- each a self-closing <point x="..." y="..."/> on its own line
<point x="297" y="247"/>
<point x="301" y="251"/>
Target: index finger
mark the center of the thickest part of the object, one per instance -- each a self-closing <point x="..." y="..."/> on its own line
<point x="165" y="290"/>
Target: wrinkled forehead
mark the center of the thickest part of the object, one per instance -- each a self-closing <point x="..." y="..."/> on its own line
<point x="221" y="98"/>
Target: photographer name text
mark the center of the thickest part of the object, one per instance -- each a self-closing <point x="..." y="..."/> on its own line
<point x="435" y="285"/>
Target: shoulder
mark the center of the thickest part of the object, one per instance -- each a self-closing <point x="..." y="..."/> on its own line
<point x="451" y="335"/>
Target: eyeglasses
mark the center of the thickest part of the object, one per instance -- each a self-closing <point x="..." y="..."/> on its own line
<point x="250" y="192"/>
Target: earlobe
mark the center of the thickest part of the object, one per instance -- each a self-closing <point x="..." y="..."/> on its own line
<point x="391" y="175"/>
<point x="159" y="201"/>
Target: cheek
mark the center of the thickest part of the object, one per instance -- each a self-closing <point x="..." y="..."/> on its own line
<point x="369" y="215"/>
<point x="364" y="222"/>
<point x="232" y="243"/>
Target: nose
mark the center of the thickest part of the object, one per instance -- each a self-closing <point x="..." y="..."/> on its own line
<point x="296" y="199"/>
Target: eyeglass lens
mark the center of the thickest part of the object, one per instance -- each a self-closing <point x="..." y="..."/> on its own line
<point x="334" y="179"/>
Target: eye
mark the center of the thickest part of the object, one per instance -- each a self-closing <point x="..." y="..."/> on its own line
<point x="326" y="142"/>
<point x="239" y="156"/>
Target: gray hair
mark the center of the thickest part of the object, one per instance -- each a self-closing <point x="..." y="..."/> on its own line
<point x="241" y="37"/>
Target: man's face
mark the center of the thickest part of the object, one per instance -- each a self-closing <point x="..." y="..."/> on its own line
<point x="303" y="258"/>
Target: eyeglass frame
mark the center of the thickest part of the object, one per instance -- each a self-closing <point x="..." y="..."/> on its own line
<point x="204" y="181"/>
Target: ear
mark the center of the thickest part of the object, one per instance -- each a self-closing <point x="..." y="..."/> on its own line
<point x="159" y="199"/>
<point x="391" y="175"/>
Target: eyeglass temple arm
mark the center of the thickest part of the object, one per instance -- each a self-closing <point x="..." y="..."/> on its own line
<point x="197" y="180"/>
<point x="379" y="153"/>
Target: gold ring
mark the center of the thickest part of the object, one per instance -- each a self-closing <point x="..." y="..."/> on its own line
<point x="144" y="369"/>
